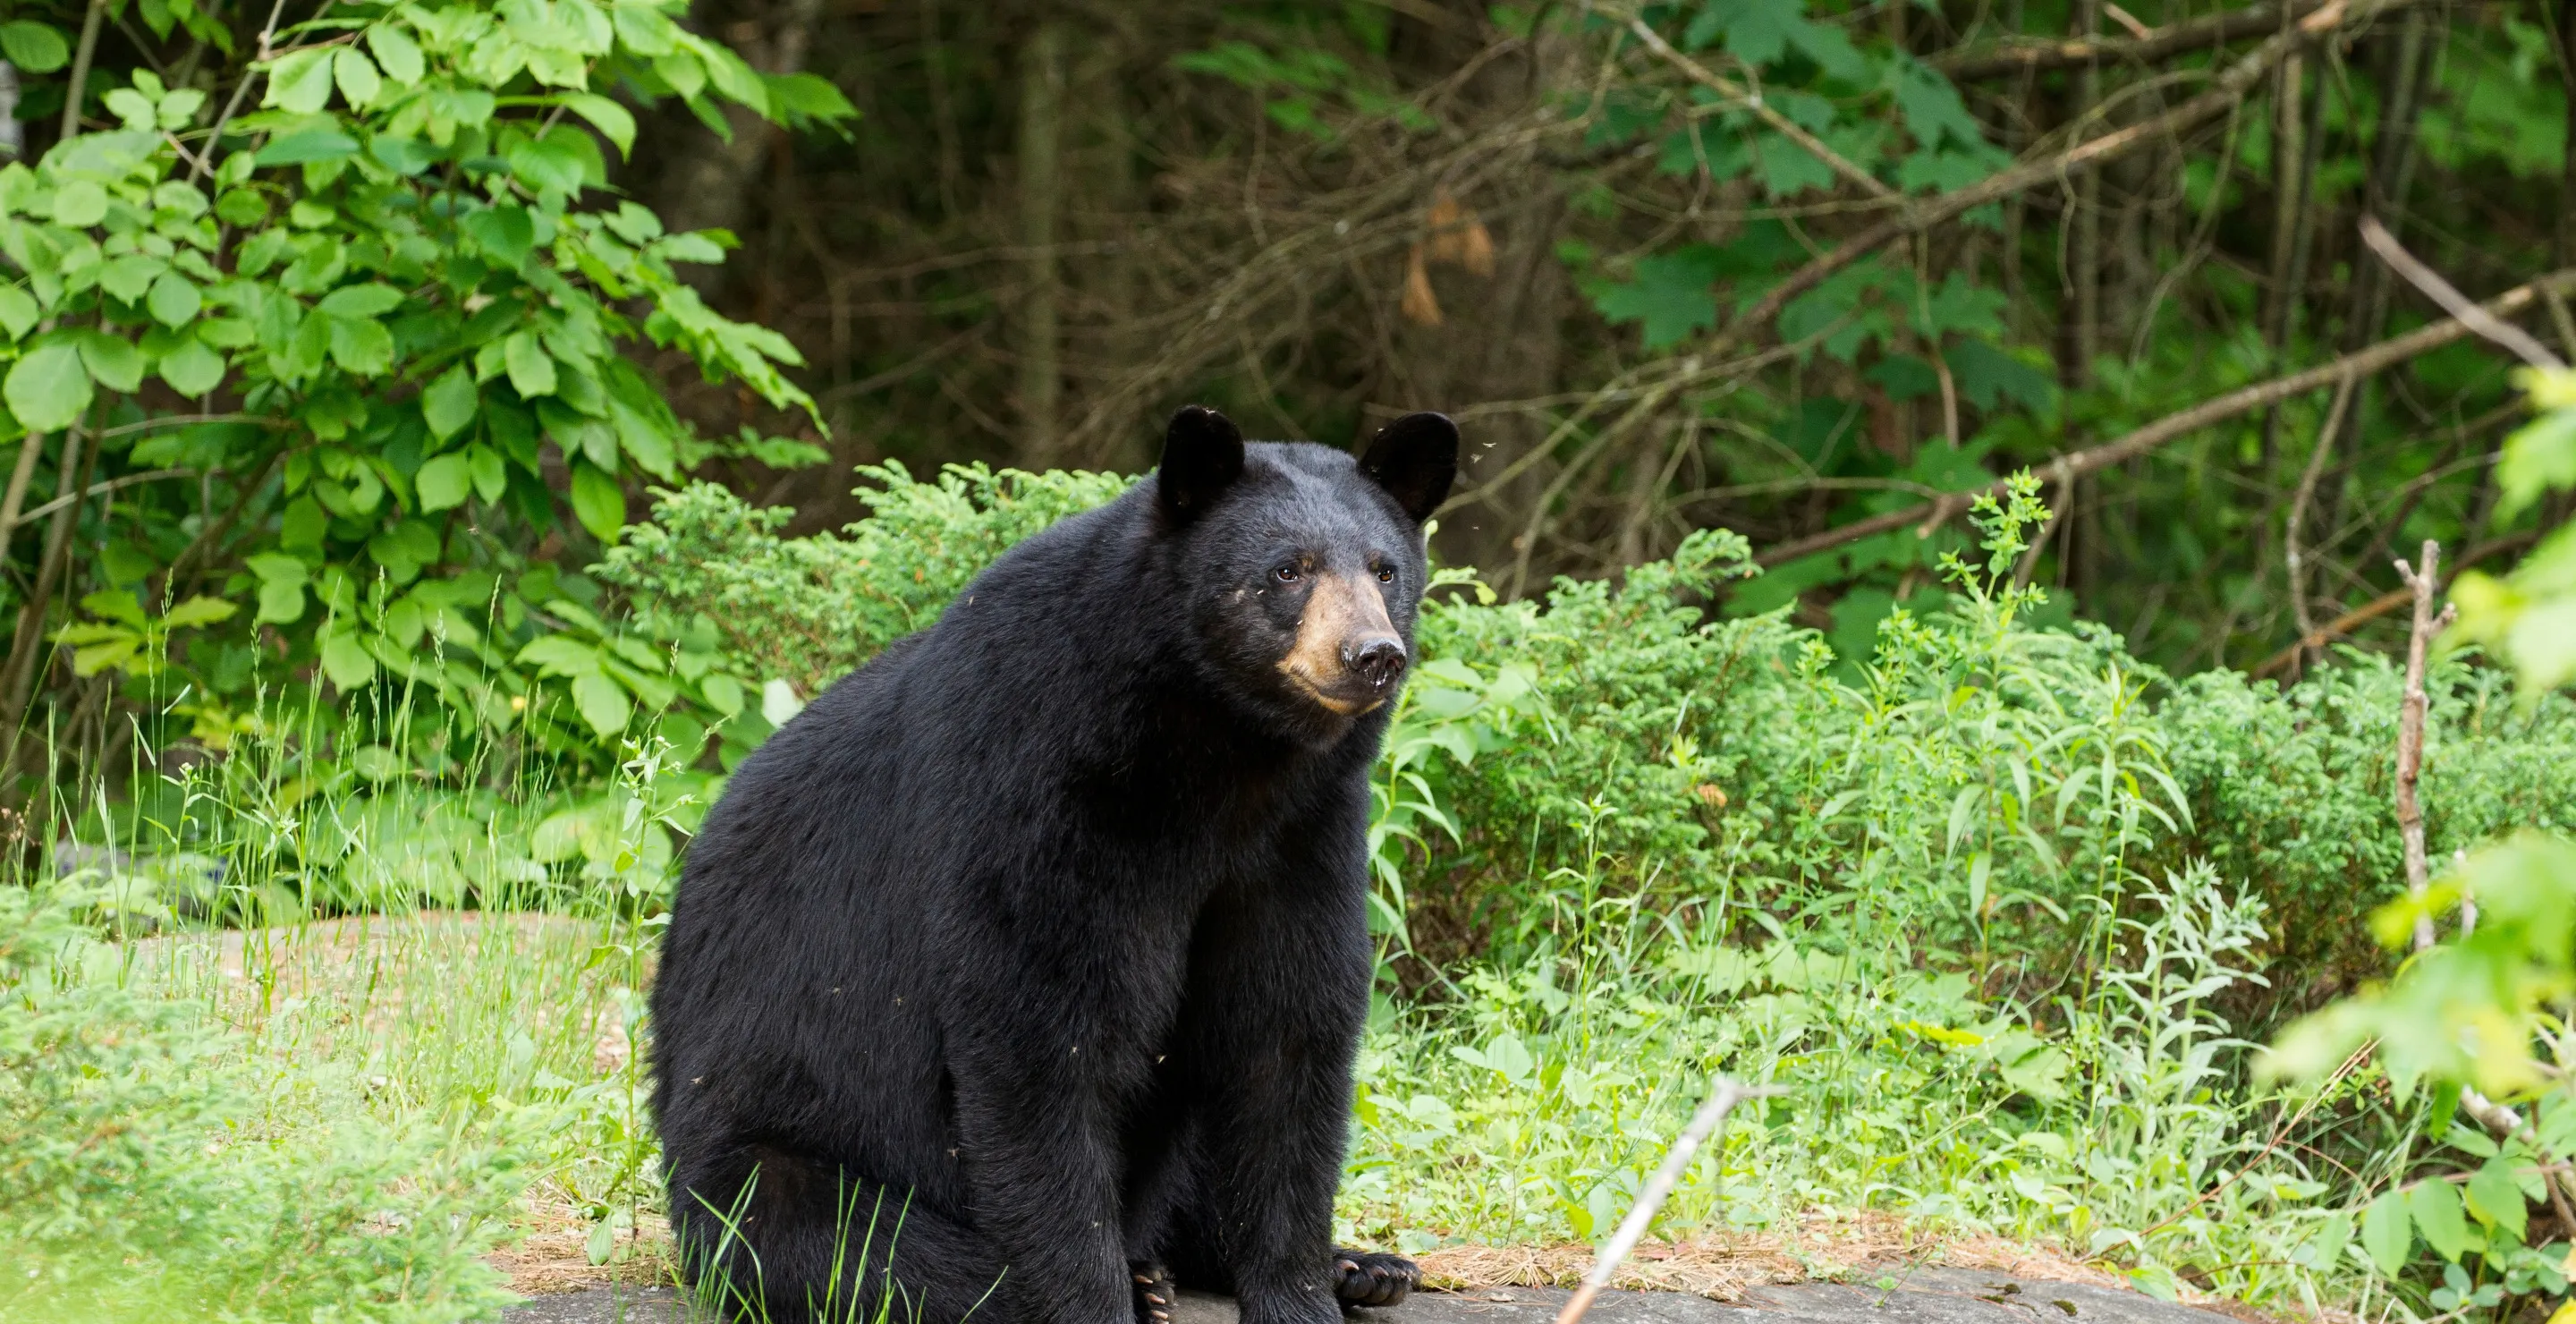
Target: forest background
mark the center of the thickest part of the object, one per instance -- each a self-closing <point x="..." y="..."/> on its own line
<point x="1921" y="624"/>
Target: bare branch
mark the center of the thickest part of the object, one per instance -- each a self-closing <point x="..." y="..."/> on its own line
<point x="2397" y="349"/>
<point x="2149" y="47"/>
<point x="2441" y="291"/>
<point x="2230" y="87"/>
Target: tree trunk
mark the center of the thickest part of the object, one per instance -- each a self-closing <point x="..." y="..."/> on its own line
<point x="2567" y="166"/>
<point x="2088" y="209"/>
<point x="27" y="648"/>
<point x="1041" y="199"/>
<point x="709" y="186"/>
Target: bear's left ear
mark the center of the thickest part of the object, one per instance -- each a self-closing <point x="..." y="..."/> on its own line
<point x="1202" y="456"/>
<point x="1415" y="458"/>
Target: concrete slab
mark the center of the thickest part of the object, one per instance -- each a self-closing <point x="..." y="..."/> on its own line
<point x="1923" y="1296"/>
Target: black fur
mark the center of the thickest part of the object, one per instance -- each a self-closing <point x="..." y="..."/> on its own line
<point x="1034" y="953"/>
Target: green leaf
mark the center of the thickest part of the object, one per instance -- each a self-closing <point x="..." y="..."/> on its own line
<point x="300" y="81"/>
<point x="374" y="300"/>
<point x="280" y="603"/>
<point x="396" y="51"/>
<point x="357" y="77"/>
<point x="444" y="482"/>
<point x="361" y="347"/>
<point x="79" y="203"/>
<point x="404" y="156"/>
<point x="506" y="233"/>
<point x="306" y="146"/>
<point x="192" y="369"/>
<point x="2435" y="1205"/>
<point x="613" y="121"/>
<point x="276" y="568"/>
<point x="450" y="402"/>
<point x="1757" y="31"/>
<point x="491" y="472"/>
<point x="597" y="501"/>
<point x="1988" y="377"/>
<point x="555" y="162"/>
<point x="723" y="693"/>
<point x="36" y="48"/>
<point x="532" y="374"/>
<point x="1671" y="295"/>
<point x="49" y="389"/>
<point x="602" y="703"/>
<point x="346" y="661"/>
<point x="19" y="312"/>
<point x="2387" y="1233"/>
<point x="2496" y="1199"/>
<point x="199" y="610"/>
<point x="174" y="300"/>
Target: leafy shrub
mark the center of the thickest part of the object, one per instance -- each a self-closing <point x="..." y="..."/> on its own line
<point x="387" y="320"/>
<point x="156" y="1173"/>
<point x="809" y="610"/>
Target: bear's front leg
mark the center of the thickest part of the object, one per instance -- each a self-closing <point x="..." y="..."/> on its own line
<point x="1039" y="1149"/>
<point x="1271" y="1016"/>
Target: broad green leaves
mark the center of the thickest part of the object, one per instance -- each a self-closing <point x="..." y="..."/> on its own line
<point x="48" y="389"/>
<point x="404" y="347"/>
<point x="2530" y="615"/>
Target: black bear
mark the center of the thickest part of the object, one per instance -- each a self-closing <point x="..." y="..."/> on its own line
<point x="1021" y="974"/>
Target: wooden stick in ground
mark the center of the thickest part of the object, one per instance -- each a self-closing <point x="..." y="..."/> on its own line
<point x="1721" y="1101"/>
<point x="2397" y="349"/>
<point x="2424" y="580"/>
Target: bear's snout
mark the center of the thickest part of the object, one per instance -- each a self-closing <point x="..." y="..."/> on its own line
<point x="1378" y="660"/>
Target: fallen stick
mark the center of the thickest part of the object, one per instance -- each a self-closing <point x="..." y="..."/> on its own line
<point x="1632" y="1229"/>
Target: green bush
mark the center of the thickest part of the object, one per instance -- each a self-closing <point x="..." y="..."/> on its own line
<point x="808" y="610"/>
<point x="155" y="1171"/>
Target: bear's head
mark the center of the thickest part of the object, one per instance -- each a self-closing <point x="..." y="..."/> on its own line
<point x="1303" y="566"/>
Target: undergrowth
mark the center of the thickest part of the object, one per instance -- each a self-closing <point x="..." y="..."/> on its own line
<point x="2000" y="909"/>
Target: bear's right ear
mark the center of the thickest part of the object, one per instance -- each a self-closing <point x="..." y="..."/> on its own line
<point x="1415" y="458"/>
<point x="1202" y="456"/>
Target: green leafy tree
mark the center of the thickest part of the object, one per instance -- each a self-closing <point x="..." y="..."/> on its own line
<point x="395" y="307"/>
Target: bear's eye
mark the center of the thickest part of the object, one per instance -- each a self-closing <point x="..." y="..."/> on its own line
<point x="1386" y="574"/>
<point x="1287" y="574"/>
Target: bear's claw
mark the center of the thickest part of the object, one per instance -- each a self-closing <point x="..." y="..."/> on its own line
<point x="1155" y="1293"/>
<point x="1364" y="1278"/>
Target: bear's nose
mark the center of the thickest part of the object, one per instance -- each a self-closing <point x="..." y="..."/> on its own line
<point x="1378" y="660"/>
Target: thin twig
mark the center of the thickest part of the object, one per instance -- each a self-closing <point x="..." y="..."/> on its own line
<point x="1641" y="1215"/>
<point x="2299" y="505"/>
<point x="215" y="138"/>
<point x="78" y="86"/>
<point x="2441" y="291"/>
<point x="2380" y="606"/>
<point x="103" y="488"/>
<point x="2156" y="44"/>
<point x="1785" y="126"/>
